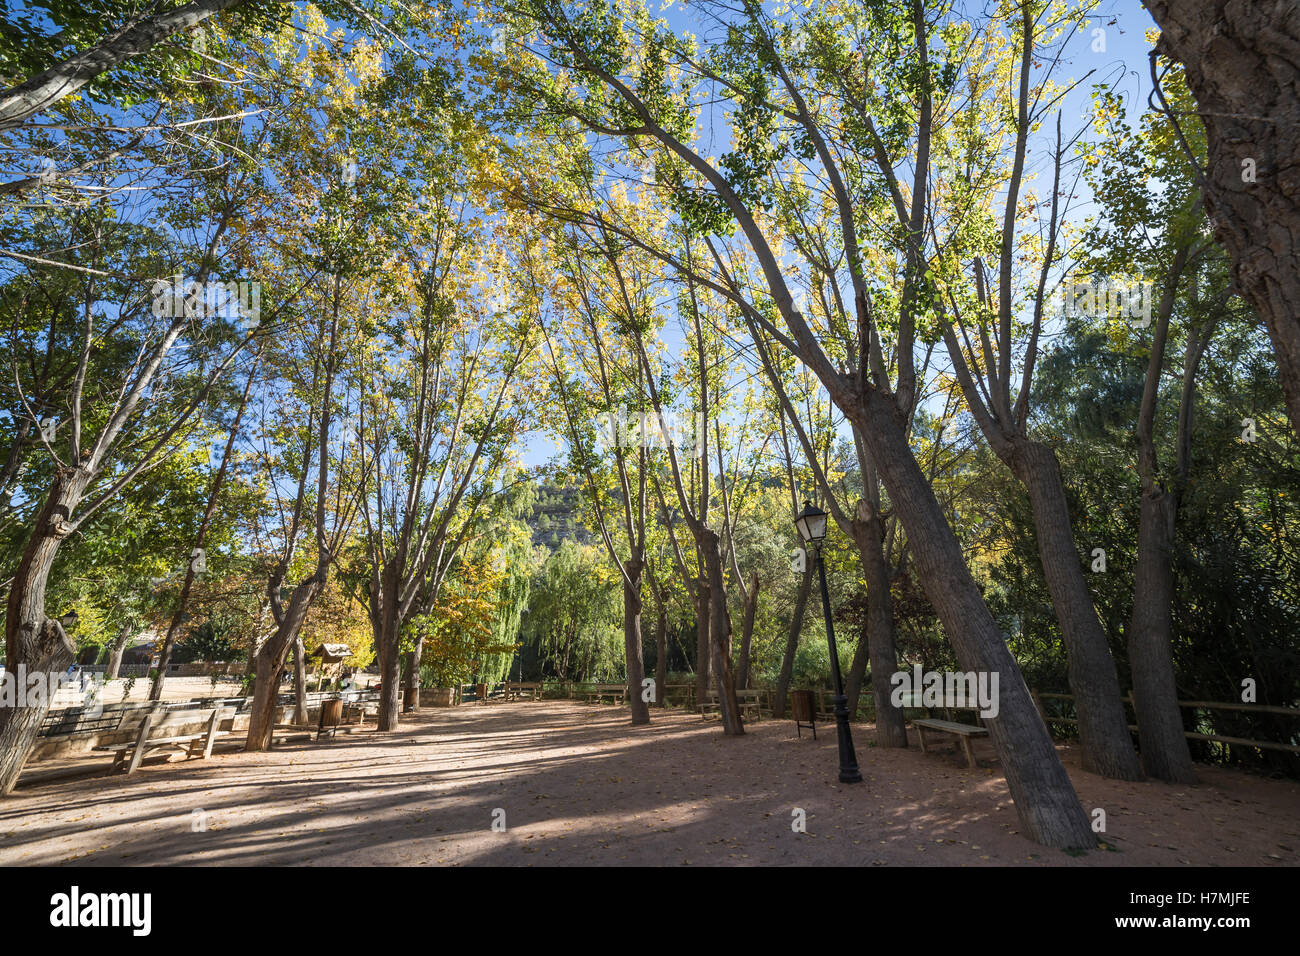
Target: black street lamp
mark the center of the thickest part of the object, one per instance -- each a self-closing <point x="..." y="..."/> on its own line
<point x="811" y="523"/>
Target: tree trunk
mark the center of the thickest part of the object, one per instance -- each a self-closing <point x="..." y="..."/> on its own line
<point x="115" y="652"/>
<point x="169" y="642"/>
<point x="791" y="645"/>
<point x="390" y="671"/>
<point x="20" y="724"/>
<point x="1164" y="750"/>
<point x="661" y="653"/>
<point x="634" y="567"/>
<point x="299" y="682"/>
<point x="266" y="688"/>
<point x="31" y="638"/>
<point x="250" y="665"/>
<point x="703" y="650"/>
<point x="1104" y="739"/>
<point x="413" y="671"/>
<point x="720" y="633"/>
<point x="1242" y="67"/>
<point x="1046" y="804"/>
<point x="269" y="664"/>
<point x="386" y="625"/>
<point x="858" y="670"/>
<point x="878" y="643"/>
<point x="747" y="631"/>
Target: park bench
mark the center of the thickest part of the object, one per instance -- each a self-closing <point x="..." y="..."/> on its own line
<point x="616" y="693"/>
<point x="356" y="711"/>
<point x="158" y="732"/>
<point x="748" y="700"/>
<point x="963" y="731"/>
<point x="517" y="690"/>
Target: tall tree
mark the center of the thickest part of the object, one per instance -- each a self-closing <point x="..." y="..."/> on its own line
<point x="639" y="106"/>
<point x="309" y="529"/>
<point x="1153" y="224"/>
<point x="440" y="411"/>
<point x="32" y="638"/>
<point x="597" y="303"/>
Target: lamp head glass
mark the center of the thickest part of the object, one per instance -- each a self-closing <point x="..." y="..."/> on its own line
<point x="811" y="523"/>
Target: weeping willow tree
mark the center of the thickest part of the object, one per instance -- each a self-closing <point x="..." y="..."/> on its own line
<point x="470" y="631"/>
<point x="575" y="616"/>
<point x="512" y="554"/>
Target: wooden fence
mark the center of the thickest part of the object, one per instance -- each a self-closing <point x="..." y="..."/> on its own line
<point x="683" y="695"/>
<point x="1291" y="747"/>
<point x="76" y="721"/>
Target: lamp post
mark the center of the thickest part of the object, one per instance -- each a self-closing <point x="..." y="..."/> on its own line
<point x="811" y="523"/>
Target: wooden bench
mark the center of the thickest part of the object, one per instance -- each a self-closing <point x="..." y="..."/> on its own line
<point x="517" y="690"/>
<point x="356" y="711"/>
<point x="158" y="732"/>
<point x="748" y="700"/>
<point x="963" y="731"/>
<point x="616" y="693"/>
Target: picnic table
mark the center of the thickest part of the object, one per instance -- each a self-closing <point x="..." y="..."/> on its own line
<point x="964" y="732"/>
<point x="748" y="700"/>
<point x="516" y="690"/>
<point x="616" y="693"/>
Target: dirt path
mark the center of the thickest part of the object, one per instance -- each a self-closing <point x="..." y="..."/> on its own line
<point x="579" y="786"/>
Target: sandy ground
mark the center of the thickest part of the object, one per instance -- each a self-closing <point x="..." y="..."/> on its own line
<point x="575" y="784"/>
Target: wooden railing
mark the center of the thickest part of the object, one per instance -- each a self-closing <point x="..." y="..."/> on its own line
<point x="1050" y="719"/>
<point x="682" y="695"/>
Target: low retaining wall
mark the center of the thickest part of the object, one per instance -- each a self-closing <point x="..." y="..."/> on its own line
<point x="81" y="741"/>
<point x="74" y="731"/>
<point x="439" y="696"/>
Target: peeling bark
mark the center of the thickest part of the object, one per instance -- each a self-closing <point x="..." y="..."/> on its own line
<point x="1242" y="62"/>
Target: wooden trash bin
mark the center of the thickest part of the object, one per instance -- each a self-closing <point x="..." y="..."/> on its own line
<point x="480" y="692"/>
<point x="805" y="714"/>
<point x="331" y="715"/>
<point x="411" y="699"/>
